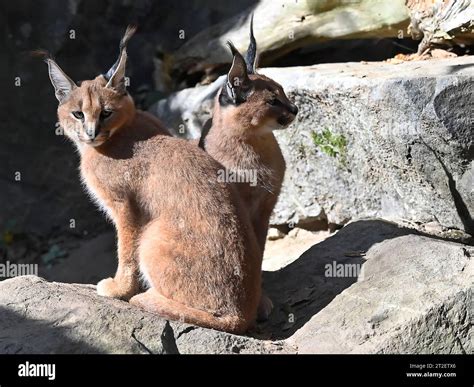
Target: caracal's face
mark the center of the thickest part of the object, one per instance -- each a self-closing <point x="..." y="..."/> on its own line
<point x="266" y="105"/>
<point x="92" y="112"/>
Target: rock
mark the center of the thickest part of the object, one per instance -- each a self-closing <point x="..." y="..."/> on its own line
<point x="185" y="112"/>
<point x="441" y="22"/>
<point x="282" y="251"/>
<point x="274" y="234"/>
<point x="414" y="296"/>
<point x="281" y="26"/>
<point x="371" y="140"/>
<point x="373" y="287"/>
<point x="42" y="317"/>
<point x="301" y="289"/>
<point x="380" y="140"/>
<point x="433" y="228"/>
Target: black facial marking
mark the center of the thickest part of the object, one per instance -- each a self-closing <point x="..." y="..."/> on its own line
<point x="241" y="95"/>
<point x="293" y="109"/>
<point x="205" y="131"/>
<point x="104" y="114"/>
<point x="78" y="114"/>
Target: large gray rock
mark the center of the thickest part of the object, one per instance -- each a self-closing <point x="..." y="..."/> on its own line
<point x="281" y="27"/>
<point x="441" y="22"/>
<point x="43" y="317"/>
<point x="371" y="139"/>
<point x="412" y="295"/>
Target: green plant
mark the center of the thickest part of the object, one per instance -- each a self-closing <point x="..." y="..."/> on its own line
<point x="7" y="233"/>
<point x="333" y="145"/>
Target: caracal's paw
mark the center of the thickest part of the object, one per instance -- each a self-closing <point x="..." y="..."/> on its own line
<point x="109" y="287"/>
<point x="265" y="308"/>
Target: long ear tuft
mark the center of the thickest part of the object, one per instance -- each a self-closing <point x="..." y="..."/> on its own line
<point x="237" y="77"/>
<point x="237" y="74"/>
<point x="129" y="32"/>
<point x="251" y="56"/>
<point x="116" y="74"/>
<point x="63" y="85"/>
<point x="232" y="48"/>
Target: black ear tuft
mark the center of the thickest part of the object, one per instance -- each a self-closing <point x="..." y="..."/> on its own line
<point x="129" y="32"/>
<point x="43" y="54"/>
<point x="116" y="74"/>
<point x="233" y="50"/>
<point x="251" y="56"/>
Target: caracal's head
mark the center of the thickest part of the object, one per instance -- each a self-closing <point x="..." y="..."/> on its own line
<point x="92" y="111"/>
<point x="256" y="102"/>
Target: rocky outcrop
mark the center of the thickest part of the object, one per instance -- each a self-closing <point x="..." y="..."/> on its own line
<point x="414" y="295"/>
<point x="370" y="139"/>
<point x="282" y="26"/>
<point x="43" y="317"/>
<point x="373" y="287"/>
<point x="441" y="22"/>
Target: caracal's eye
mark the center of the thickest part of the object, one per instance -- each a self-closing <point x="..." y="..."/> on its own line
<point x="78" y="114"/>
<point x="106" y="113"/>
<point x="272" y="101"/>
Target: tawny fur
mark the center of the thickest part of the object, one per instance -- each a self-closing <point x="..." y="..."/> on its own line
<point x="241" y="138"/>
<point x="176" y="223"/>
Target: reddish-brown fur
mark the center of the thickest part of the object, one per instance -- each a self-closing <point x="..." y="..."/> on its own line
<point x="177" y="225"/>
<point x="241" y="138"/>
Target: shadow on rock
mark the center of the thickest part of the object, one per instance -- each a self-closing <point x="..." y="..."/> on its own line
<point x="21" y="335"/>
<point x="303" y="288"/>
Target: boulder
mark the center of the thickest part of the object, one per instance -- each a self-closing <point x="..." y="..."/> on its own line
<point x="373" y="287"/>
<point x="414" y="295"/>
<point x="370" y="140"/>
<point x="48" y="317"/>
<point x="281" y="26"/>
<point x="441" y="22"/>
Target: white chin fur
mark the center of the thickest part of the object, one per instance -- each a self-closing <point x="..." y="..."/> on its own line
<point x="267" y="129"/>
<point x="95" y="144"/>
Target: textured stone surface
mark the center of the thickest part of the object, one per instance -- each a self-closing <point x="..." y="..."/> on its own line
<point x="49" y="317"/>
<point x="409" y="135"/>
<point x="414" y="295"/>
<point x="282" y="26"/>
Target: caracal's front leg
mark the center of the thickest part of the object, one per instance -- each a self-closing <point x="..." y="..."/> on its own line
<point x="126" y="282"/>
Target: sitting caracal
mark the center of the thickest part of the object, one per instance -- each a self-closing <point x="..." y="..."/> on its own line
<point x="179" y="227"/>
<point x="247" y="108"/>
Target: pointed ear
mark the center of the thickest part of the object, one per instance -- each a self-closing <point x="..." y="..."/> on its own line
<point x="63" y="85"/>
<point x="237" y="78"/>
<point x="117" y="78"/>
<point x="116" y="75"/>
<point x="251" y="56"/>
